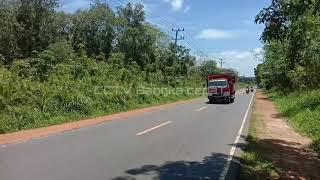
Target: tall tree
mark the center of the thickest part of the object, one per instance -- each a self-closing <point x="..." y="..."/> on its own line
<point x="291" y="38"/>
<point x="36" y="20"/>
<point x="9" y="48"/>
<point x="94" y="28"/>
<point x="135" y="40"/>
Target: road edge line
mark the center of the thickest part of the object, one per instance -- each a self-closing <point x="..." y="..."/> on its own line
<point x="236" y="141"/>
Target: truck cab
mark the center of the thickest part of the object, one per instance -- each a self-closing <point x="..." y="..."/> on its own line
<point x="221" y="87"/>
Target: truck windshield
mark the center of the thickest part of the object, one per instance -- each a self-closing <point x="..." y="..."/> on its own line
<point x="218" y="83"/>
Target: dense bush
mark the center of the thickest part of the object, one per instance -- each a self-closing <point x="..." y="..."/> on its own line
<point x="80" y="87"/>
<point x="57" y="67"/>
<point x="58" y="86"/>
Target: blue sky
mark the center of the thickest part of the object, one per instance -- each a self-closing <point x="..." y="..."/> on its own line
<point x="222" y="28"/>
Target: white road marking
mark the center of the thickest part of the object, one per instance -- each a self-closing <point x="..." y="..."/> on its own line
<point x="202" y="108"/>
<point x="236" y="141"/>
<point x="151" y="129"/>
<point x="2" y="146"/>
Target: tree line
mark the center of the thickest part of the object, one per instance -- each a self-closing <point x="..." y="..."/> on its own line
<point x="29" y="27"/>
<point x="57" y="67"/>
<point x="291" y="40"/>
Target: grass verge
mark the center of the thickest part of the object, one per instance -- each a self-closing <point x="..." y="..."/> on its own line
<point x="8" y="125"/>
<point x="302" y="109"/>
<point x="254" y="166"/>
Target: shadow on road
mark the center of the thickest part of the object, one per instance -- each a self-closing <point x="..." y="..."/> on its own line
<point x="294" y="162"/>
<point x="209" y="168"/>
<point x="217" y="103"/>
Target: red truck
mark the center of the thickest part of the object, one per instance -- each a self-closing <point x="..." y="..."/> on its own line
<point x="221" y="87"/>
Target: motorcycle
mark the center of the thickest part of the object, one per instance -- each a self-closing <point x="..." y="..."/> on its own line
<point x="247" y="91"/>
<point x="251" y="89"/>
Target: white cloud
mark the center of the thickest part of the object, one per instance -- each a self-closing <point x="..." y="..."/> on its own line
<point x="175" y="4"/>
<point x="213" y="34"/>
<point x="248" y="22"/>
<point x="187" y="9"/>
<point x="243" y="61"/>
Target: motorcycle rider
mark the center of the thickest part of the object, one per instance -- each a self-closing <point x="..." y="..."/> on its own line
<point x="247" y="89"/>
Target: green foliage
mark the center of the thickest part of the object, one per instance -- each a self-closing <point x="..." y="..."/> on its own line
<point x="62" y="51"/>
<point x="291" y="61"/>
<point x="303" y="111"/>
<point x="80" y="88"/>
<point x="209" y="67"/>
<point x="94" y="29"/>
<point x="36" y="19"/>
<point x="292" y="47"/>
<point x="8" y="40"/>
<point x="57" y="67"/>
<point x="247" y="80"/>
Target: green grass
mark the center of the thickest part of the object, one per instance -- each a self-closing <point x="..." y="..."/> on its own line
<point x="302" y="109"/>
<point x="43" y="119"/>
<point x="254" y="166"/>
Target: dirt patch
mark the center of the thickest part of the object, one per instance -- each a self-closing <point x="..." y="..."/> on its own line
<point x="281" y="145"/>
<point x="25" y="135"/>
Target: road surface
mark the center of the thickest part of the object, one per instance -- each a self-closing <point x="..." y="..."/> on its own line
<point x="188" y="141"/>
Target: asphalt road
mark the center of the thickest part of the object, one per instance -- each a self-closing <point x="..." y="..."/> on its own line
<point x="188" y="141"/>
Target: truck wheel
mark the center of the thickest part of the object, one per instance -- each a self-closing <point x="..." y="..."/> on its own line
<point x="210" y="101"/>
<point x="228" y="100"/>
<point x="232" y="100"/>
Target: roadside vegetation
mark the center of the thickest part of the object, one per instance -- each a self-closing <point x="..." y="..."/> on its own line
<point x="302" y="111"/>
<point x="254" y="165"/>
<point x="291" y="62"/>
<point x="289" y="72"/>
<point x="57" y="67"/>
<point x="243" y="82"/>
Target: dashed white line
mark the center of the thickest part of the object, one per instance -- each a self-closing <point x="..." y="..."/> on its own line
<point x="234" y="146"/>
<point x="151" y="129"/>
<point x="202" y="108"/>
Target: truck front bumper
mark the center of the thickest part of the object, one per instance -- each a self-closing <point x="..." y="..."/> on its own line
<point x="219" y="97"/>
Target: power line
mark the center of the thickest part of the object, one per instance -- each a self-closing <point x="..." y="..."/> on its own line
<point x="176" y="38"/>
<point x="159" y="23"/>
<point x="152" y="16"/>
<point x="193" y="41"/>
<point x="164" y="25"/>
<point x="197" y="44"/>
<point x="221" y="61"/>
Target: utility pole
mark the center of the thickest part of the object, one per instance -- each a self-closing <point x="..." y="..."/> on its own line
<point x="221" y="61"/>
<point x="176" y="38"/>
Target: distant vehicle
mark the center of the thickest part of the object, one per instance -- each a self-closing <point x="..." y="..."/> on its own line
<point x="251" y="89"/>
<point x="247" y="90"/>
<point x="221" y="87"/>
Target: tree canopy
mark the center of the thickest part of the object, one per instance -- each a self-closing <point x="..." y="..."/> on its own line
<point x="291" y="45"/>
